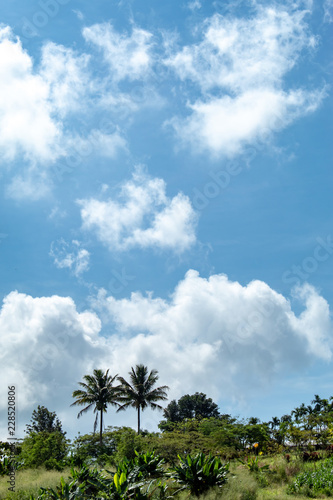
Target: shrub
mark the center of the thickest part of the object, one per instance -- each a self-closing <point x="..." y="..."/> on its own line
<point x="39" y="447"/>
<point x="199" y="473"/>
<point x="315" y="481"/>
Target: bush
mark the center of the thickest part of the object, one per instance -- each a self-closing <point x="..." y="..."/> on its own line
<point x="314" y="481"/>
<point x="199" y="473"/>
<point x="39" y="447"/>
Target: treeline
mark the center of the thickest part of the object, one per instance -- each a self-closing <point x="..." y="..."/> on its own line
<point x="190" y="425"/>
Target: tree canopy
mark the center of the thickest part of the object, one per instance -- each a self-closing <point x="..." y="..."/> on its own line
<point x="190" y="406"/>
<point x="44" y="420"/>
<point x="140" y="392"/>
<point x="98" y="392"/>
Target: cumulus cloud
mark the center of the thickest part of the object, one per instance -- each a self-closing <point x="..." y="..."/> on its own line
<point x="214" y="333"/>
<point x="240" y="67"/>
<point x="142" y="217"/>
<point x="46" y="346"/>
<point x="129" y="56"/>
<point x="70" y="256"/>
<point x="211" y="335"/>
<point x="27" y="125"/>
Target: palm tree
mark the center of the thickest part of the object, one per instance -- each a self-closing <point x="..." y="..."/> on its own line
<point x="98" y="391"/>
<point x="140" y="393"/>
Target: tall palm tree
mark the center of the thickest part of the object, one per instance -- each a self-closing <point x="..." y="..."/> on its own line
<point x="98" y="391"/>
<point x="139" y="393"/>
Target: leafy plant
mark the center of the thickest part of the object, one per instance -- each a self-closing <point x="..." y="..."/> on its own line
<point x="199" y="473"/>
<point x="316" y="481"/>
<point x="253" y="464"/>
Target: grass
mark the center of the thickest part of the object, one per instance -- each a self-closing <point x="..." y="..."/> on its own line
<point x="29" y="481"/>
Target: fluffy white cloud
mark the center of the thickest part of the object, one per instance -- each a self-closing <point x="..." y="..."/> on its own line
<point x="214" y="333"/>
<point x="36" y="104"/>
<point x="27" y="125"/>
<point x="41" y="330"/>
<point x="70" y="256"/>
<point x="224" y="125"/>
<point x="240" y="68"/>
<point x="145" y="217"/>
<point x="46" y="346"/>
<point x="129" y="56"/>
<point x="211" y="335"/>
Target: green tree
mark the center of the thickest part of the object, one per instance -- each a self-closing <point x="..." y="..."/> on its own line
<point x="195" y="406"/>
<point x="44" y="448"/>
<point x="45" y="443"/>
<point x="98" y="392"/>
<point x="44" y="420"/>
<point x="139" y="392"/>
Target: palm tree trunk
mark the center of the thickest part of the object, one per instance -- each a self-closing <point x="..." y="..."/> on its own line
<point x="101" y="429"/>
<point x="138" y="419"/>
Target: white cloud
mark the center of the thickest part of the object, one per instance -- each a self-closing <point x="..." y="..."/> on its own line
<point x="211" y="335"/>
<point x="70" y="256"/>
<point x="44" y="336"/>
<point x="46" y="346"/>
<point x="129" y="57"/>
<point x="240" y="68"/>
<point x="143" y="217"/>
<point x="38" y="103"/>
<point x="26" y="122"/>
<point x="224" y="125"/>
<point x="214" y="333"/>
<point x="63" y="71"/>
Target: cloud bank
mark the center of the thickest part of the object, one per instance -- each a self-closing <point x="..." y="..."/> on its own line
<point x="212" y="335"/>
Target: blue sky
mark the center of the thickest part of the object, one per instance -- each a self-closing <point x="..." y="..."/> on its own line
<point x="166" y="199"/>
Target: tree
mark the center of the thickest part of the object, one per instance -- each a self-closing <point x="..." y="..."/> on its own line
<point x="195" y="406"/>
<point x="98" y="392"/>
<point x="44" y="420"/>
<point x="44" y="448"/>
<point x="45" y="443"/>
<point x="139" y="393"/>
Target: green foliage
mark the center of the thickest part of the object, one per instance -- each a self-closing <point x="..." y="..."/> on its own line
<point x="188" y="407"/>
<point x="253" y="465"/>
<point x="44" y="420"/>
<point x="98" y="392"/>
<point x="41" y="447"/>
<point x="314" y="481"/>
<point x="139" y="393"/>
<point x="199" y="473"/>
<point x="9" y="457"/>
<point x="133" y="479"/>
